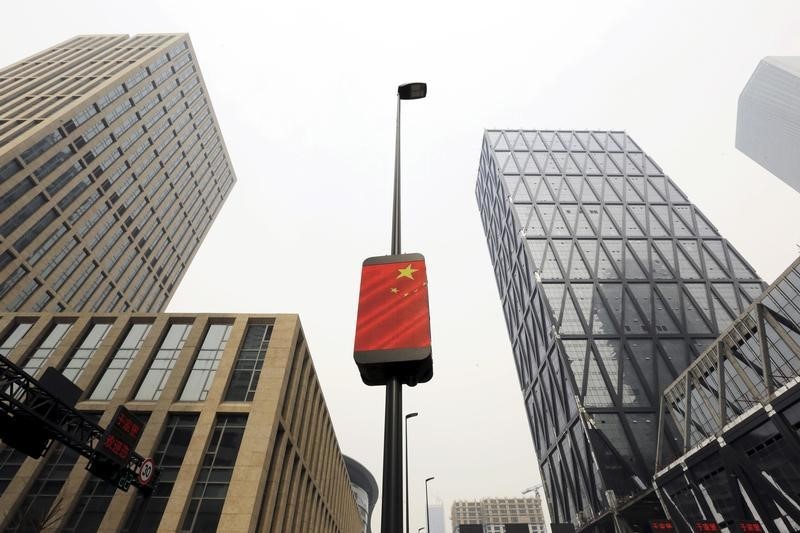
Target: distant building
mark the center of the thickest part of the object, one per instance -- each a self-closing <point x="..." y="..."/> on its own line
<point x="236" y="422"/>
<point x="365" y="489"/>
<point x="436" y="514"/>
<point x="611" y="283"/>
<point x="737" y="409"/>
<point x="494" y="513"/>
<point x="112" y="168"/>
<point x="768" y="120"/>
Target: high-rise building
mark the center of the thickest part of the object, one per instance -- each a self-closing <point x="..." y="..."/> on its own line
<point x="737" y="408"/>
<point x="365" y="489"/>
<point x="494" y="513"/>
<point x="768" y="120"/>
<point x="436" y="517"/>
<point x="611" y="283"/>
<point x="112" y="168"/>
<point x="236" y="422"/>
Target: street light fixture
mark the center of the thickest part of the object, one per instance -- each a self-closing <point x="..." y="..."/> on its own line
<point x="420" y="529"/>
<point x="391" y="510"/>
<point x="427" y="511"/>
<point x="409" y="415"/>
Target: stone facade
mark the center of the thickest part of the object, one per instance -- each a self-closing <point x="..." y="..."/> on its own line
<point x="289" y="474"/>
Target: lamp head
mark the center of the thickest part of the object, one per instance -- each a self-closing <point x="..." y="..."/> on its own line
<point x="429" y="479"/>
<point x="412" y="91"/>
<point x="411" y="415"/>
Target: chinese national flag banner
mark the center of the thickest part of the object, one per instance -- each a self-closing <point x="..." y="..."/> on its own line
<point x="393" y="311"/>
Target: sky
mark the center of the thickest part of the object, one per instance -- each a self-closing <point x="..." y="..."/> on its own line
<point x="305" y="97"/>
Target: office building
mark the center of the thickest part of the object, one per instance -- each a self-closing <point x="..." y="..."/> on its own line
<point x="436" y="517"/>
<point x="365" y="489"/>
<point x="768" y="118"/>
<point x="112" y="168"/>
<point x="611" y="284"/>
<point x="235" y="420"/>
<point x="492" y="514"/>
<point x="737" y="408"/>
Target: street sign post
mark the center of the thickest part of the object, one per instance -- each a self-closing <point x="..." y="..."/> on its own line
<point x="384" y="350"/>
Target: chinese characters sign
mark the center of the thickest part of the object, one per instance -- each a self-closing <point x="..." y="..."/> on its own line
<point x="121" y="436"/>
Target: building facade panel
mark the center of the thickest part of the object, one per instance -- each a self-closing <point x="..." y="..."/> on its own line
<point x="109" y="185"/>
<point x="275" y="450"/>
<point x="611" y="283"/>
<point x="737" y="409"/>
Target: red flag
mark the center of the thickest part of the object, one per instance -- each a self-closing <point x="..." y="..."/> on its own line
<point x="393" y="311"/>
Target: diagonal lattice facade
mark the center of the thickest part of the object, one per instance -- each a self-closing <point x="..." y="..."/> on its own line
<point x="612" y="283"/>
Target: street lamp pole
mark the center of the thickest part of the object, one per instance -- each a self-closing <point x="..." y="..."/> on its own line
<point x="427" y="510"/>
<point x="409" y="415"/>
<point x="392" y="502"/>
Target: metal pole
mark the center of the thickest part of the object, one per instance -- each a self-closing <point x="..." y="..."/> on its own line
<point x="391" y="515"/>
<point x="409" y="415"/>
<point x="396" y="203"/>
<point x="392" y="503"/>
<point x="406" y="430"/>
<point x="427" y="509"/>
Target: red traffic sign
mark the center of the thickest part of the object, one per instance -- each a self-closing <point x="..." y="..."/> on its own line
<point x="750" y="526"/>
<point x="147" y="471"/>
<point x="706" y="526"/>
<point x="662" y="524"/>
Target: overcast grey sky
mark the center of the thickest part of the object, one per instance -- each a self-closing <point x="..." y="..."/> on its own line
<point x="304" y="93"/>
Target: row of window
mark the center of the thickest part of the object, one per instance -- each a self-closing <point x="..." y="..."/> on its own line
<point x="244" y="377"/>
<point x="40" y="505"/>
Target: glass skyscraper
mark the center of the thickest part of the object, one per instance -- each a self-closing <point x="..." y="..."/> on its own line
<point x="768" y="118"/>
<point x="611" y="283"/>
<point x="112" y="168"/>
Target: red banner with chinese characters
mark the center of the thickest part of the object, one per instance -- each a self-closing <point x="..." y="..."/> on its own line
<point x="393" y="310"/>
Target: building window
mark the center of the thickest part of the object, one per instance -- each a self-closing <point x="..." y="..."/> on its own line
<point x="205" y="365"/>
<point x="46" y="348"/>
<point x="13" y="338"/>
<point x="153" y="384"/>
<point x="35" y="512"/>
<point x="168" y="456"/>
<point x="80" y="359"/>
<point x="248" y="365"/>
<point x="122" y="360"/>
<point x="208" y="495"/>
<point x="10" y="461"/>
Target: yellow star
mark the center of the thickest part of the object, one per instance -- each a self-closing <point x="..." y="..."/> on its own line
<point x="394" y="290"/>
<point x="406" y="272"/>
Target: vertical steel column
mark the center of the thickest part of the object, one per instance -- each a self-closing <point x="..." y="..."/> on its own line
<point x="391" y="515"/>
<point x="392" y="501"/>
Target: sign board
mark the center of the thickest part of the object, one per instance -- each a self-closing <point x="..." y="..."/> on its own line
<point x="121" y="436"/>
<point x="661" y="524"/>
<point x="706" y="526"/>
<point x="393" y="328"/>
<point x="147" y="471"/>
<point x="749" y="526"/>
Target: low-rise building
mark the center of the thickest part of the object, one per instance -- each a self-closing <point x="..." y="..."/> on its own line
<point x="494" y="513"/>
<point x="233" y="408"/>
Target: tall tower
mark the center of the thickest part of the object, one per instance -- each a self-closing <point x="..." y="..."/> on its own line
<point x="112" y="168"/>
<point x="768" y="118"/>
<point x="611" y="282"/>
